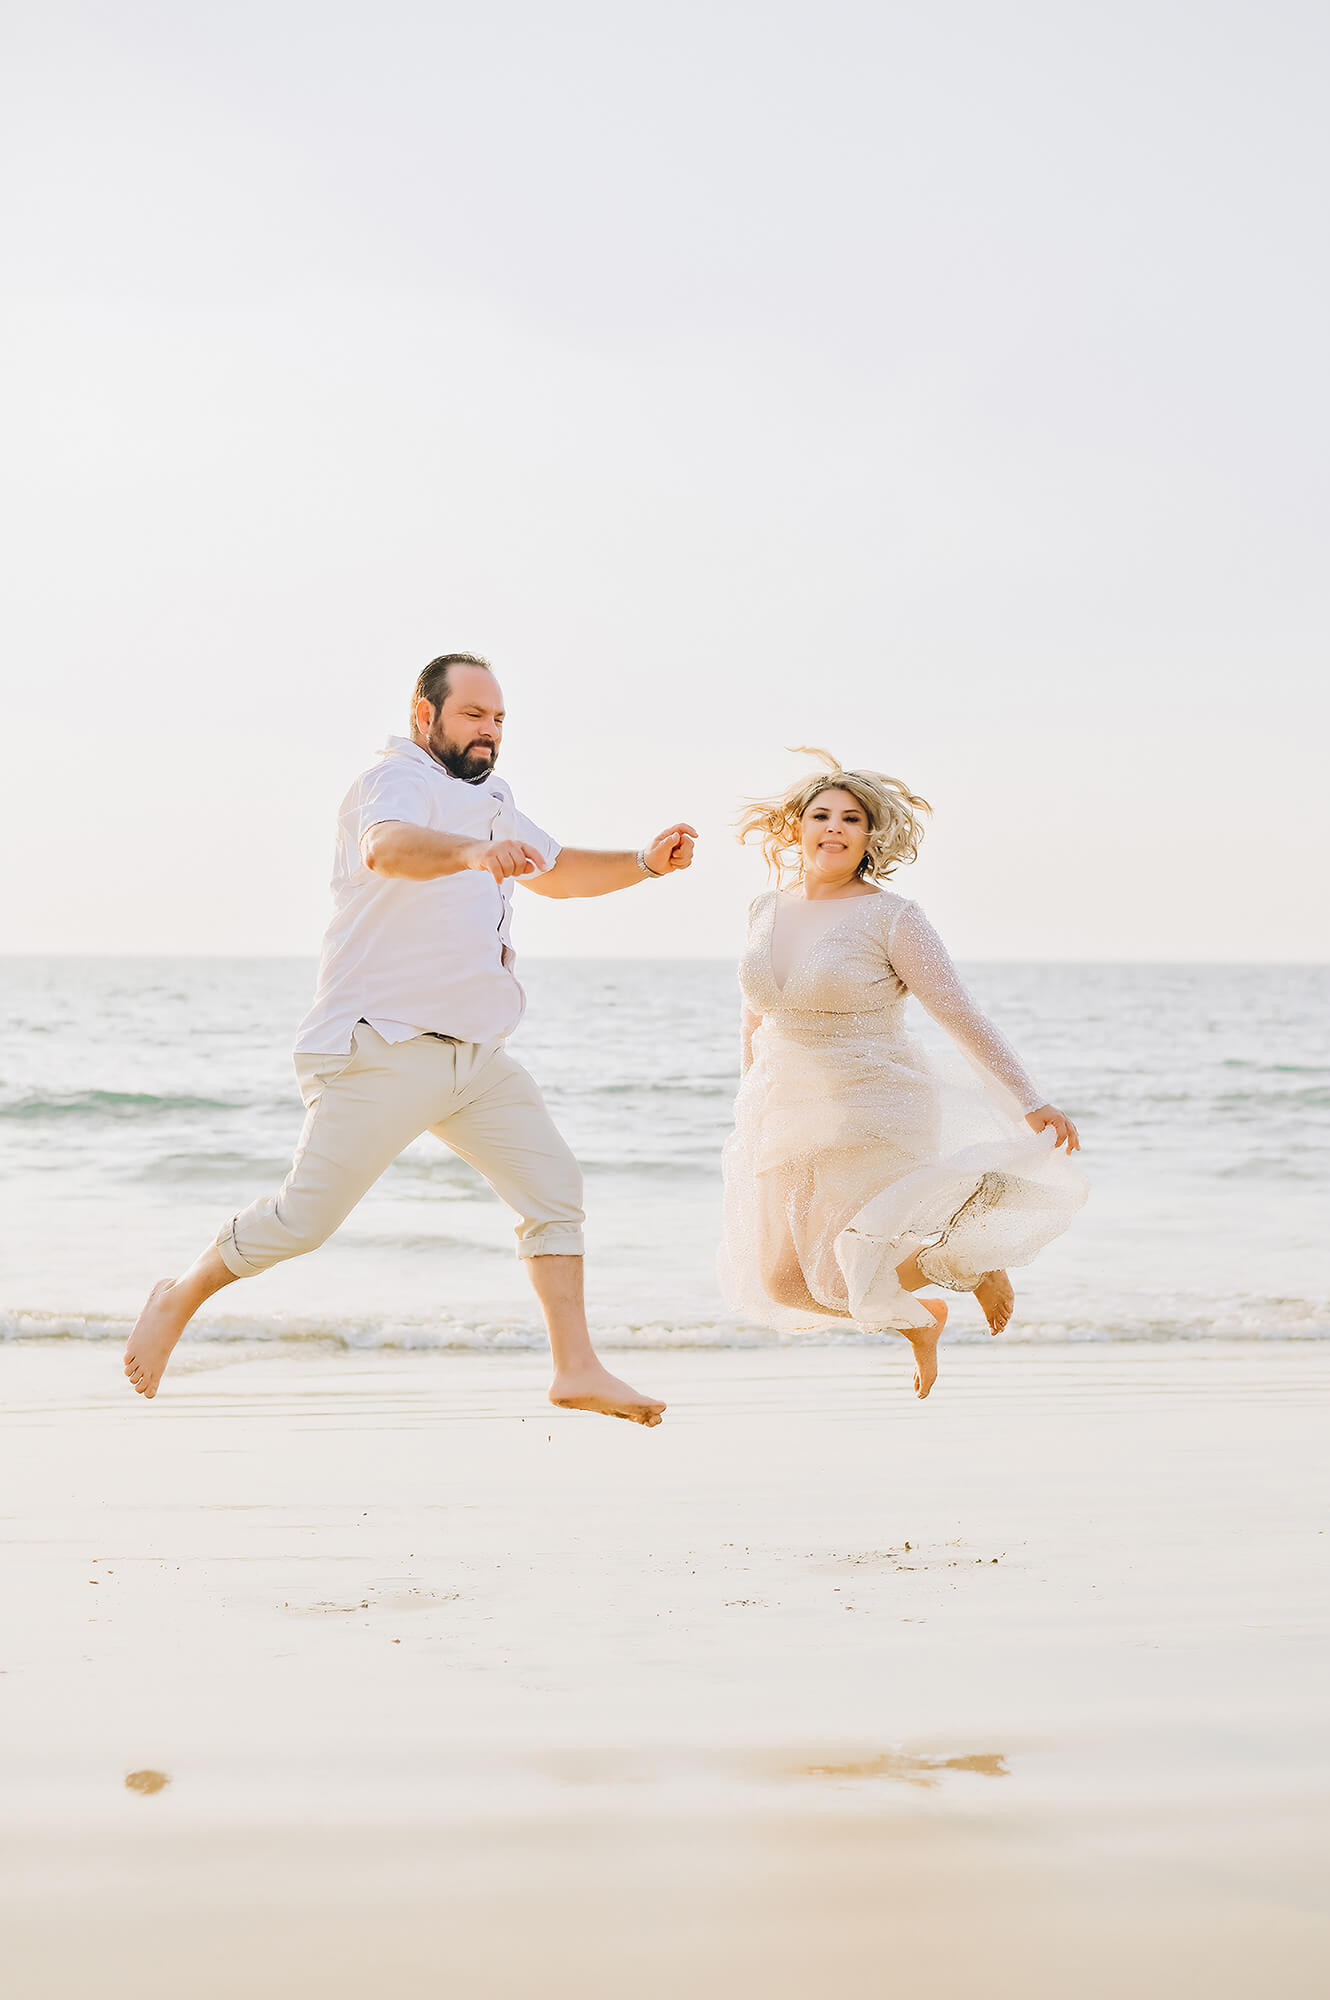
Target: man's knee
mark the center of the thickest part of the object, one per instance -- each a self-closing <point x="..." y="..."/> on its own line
<point x="271" y="1231"/>
<point x="552" y="1220"/>
<point x="556" y="1227"/>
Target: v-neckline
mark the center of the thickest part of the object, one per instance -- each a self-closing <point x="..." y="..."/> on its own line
<point x="799" y="963"/>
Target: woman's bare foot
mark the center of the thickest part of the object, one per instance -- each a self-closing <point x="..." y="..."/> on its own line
<point x="591" y="1387"/>
<point x="156" y="1331"/>
<point x="925" y="1348"/>
<point x="996" y="1299"/>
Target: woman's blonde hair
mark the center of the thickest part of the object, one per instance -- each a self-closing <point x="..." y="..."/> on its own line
<point x="894" y="828"/>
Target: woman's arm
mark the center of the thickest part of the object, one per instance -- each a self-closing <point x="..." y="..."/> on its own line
<point x="749" y="1023"/>
<point x="924" y="965"/>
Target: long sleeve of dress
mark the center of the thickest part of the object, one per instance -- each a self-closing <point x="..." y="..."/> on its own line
<point x="923" y="964"/>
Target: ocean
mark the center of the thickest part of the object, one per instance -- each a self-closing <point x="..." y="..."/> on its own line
<point x="144" y="1101"/>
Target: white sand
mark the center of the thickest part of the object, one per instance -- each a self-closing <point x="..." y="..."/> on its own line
<point x="456" y="1694"/>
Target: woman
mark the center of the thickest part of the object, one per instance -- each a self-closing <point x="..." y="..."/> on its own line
<point x="859" y="1170"/>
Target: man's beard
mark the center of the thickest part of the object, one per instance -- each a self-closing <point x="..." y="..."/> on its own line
<point x="468" y="761"/>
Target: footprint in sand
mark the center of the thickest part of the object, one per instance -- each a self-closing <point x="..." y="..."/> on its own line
<point x="146" y="1782"/>
<point x="911" y="1770"/>
<point x="412" y="1597"/>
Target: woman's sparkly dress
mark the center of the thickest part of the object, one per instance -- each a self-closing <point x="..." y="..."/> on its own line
<point x="853" y="1146"/>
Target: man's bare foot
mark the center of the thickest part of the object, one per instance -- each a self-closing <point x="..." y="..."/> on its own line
<point x="925" y="1348"/>
<point x="594" y="1388"/>
<point x="996" y="1299"/>
<point x="156" y="1331"/>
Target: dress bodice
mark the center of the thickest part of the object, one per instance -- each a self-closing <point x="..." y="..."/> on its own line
<point x="839" y="963"/>
<point x="851" y="980"/>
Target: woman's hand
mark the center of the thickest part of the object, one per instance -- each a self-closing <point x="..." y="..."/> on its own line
<point x="1048" y="1114"/>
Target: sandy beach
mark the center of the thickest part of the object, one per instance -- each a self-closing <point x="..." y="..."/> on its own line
<point x="813" y="1689"/>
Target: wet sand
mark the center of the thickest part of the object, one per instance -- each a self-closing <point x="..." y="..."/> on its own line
<point x="338" y="1675"/>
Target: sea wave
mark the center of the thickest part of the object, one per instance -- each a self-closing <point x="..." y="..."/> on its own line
<point x="1260" y="1103"/>
<point x="251" y="1170"/>
<point x="442" y="1175"/>
<point x="689" y="1088"/>
<point x="1272" y="1321"/>
<point x="108" y="1104"/>
<point x="1274" y="1069"/>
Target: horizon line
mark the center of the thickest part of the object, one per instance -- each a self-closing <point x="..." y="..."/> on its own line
<point x="631" y="958"/>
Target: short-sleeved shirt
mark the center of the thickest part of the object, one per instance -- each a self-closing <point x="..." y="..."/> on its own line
<point x="417" y="958"/>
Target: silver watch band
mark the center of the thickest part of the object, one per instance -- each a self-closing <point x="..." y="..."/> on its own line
<point x="652" y="873"/>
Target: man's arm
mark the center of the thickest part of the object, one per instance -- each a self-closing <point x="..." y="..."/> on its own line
<point x="593" y="871"/>
<point x="398" y="848"/>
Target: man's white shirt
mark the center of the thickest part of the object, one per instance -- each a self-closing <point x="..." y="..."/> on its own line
<point x="419" y="957"/>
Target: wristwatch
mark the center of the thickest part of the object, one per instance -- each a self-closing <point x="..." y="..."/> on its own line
<point x="654" y="873"/>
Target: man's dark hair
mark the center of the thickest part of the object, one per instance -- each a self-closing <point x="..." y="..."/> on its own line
<point x="433" y="681"/>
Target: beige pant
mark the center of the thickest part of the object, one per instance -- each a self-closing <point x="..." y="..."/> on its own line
<point x="364" y="1108"/>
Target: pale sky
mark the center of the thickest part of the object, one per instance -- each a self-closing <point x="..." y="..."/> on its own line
<point x="942" y="382"/>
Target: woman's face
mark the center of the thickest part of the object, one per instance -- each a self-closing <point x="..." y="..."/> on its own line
<point x="833" y="835"/>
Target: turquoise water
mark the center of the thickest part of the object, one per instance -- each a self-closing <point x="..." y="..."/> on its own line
<point x="143" y="1101"/>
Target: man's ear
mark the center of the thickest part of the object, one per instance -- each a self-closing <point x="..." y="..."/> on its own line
<point x="424" y="716"/>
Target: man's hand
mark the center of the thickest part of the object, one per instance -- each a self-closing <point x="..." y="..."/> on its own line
<point x="671" y="849"/>
<point x="401" y="851"/>
<point x="1048" y="1114"/>
<point x="589" y="871"/>
<point x="502" y="858"/>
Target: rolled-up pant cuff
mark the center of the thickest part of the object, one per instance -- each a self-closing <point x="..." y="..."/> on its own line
<point x="552" y="1239"/>
<point x="238" y="1266"/>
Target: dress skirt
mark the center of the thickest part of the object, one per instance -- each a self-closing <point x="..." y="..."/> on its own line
<point x="850" y="1152"/>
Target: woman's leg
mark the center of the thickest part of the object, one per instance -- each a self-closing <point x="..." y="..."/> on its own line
<point x="994" y="1291"/>
<point x="784" y="1282"/>
<point x="923" y="1345"/>
<point x="997" y="1299"/>
<point x="783" y="1278"/>
<point x="784" y="1191"/>
<point x="944" y="1266"/>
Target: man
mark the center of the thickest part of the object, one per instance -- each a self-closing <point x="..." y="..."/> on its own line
<point x="416" y="999"/>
